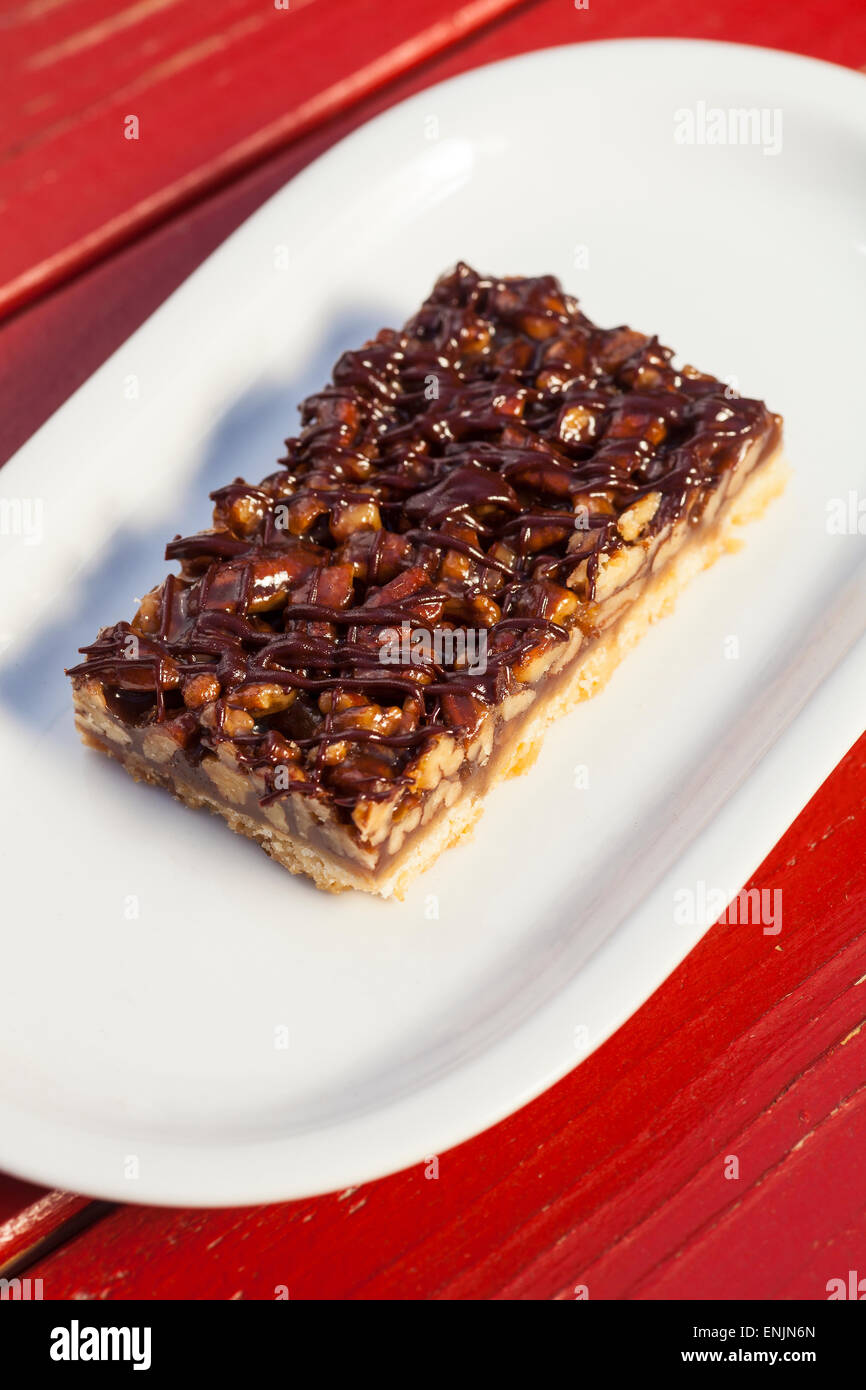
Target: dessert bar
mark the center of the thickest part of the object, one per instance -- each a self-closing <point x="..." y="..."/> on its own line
<point x="481" y="513"/>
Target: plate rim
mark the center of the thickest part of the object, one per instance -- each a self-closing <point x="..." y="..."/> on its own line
<point x="184" y="1180"/>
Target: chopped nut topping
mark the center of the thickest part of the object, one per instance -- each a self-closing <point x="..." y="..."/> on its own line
<point x="499" y="467"/>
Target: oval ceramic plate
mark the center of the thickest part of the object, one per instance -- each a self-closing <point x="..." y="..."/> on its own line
<point x="182" y="1021"/>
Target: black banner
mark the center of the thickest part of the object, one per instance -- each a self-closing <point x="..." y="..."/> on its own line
<point x="82" y="1339"/>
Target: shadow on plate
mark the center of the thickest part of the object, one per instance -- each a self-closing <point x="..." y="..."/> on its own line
<point x="246" y="442"/>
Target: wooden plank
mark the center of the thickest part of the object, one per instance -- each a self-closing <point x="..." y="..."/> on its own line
<point x="42" y="1224"/>
<point x="615" y="1176"/>
<point x="89" y="165"/>
<point x="805" y="1080"/>
<point x="799" y="1228"/>
<point x="15" y="1195"/>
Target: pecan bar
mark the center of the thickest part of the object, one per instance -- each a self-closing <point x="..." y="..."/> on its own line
<point x="482" y="512"/>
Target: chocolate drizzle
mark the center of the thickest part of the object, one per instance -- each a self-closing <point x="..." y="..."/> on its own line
<point x="466" y="472"/>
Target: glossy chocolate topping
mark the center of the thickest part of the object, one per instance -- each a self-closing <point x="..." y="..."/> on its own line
<point x="466" y="472"/>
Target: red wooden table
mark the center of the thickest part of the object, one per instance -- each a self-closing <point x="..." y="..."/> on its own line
<point x="615" y="1180"/>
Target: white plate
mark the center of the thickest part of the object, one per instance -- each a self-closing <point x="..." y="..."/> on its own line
<point x="150" y="958"/>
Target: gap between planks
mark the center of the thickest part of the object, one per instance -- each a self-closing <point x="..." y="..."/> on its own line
<point x="41" y="1228"/>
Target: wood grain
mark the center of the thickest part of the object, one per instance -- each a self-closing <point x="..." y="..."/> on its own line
<point x="196" y="94"/>
<point x="35" y="1228"/>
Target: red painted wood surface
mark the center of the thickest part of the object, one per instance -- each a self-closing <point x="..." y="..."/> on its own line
<point x="196" y="94"/>
<point x="15" y="1197"/>
<point x="44" y="1220"/>
<point x="614" y="1178"/>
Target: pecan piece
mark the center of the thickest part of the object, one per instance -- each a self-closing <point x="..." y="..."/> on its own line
<point x="464" y="711"/>
<point x="349" y="517"/>
<point x="275" y="573"/>
<point x="543" y="599"/>
<point x="262" y="698"/>
<point x="147" y="619"/>
<point x="200" y="690"/>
